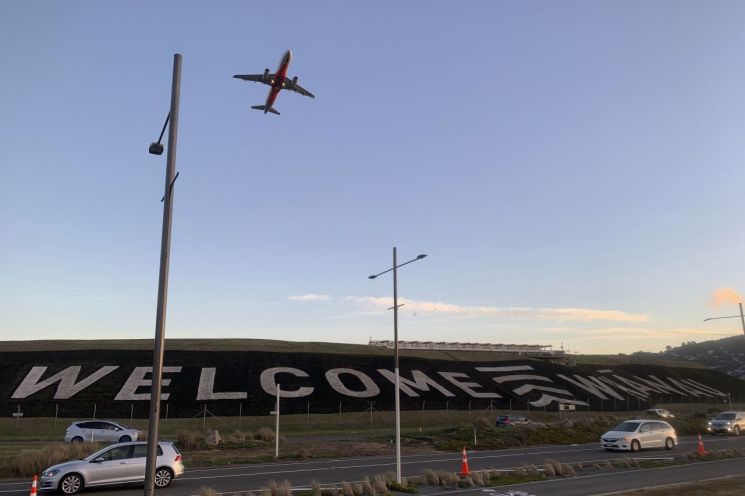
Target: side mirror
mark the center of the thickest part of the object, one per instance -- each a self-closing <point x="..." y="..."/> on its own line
<point x="98" y="460"/>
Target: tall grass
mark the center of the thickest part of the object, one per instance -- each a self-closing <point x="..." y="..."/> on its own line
<point x="33" y="462"/>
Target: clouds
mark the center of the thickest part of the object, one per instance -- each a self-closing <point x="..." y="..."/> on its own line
<point x="440" y="308"/>
<point x="310" y="297"/>
<point x="723" y="296"/>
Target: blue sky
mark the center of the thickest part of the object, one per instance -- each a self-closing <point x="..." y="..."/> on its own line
<point x="572" y="169"/>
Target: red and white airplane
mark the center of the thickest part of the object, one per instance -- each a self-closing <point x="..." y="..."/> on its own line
<point x="278" y="81"/>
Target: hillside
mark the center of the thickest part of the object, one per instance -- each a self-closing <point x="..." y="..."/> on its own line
<point x="725" y="355"/>
<point x="227" y="377"/>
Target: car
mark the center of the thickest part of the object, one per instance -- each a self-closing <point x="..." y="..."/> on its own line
<point x="100" y="431"/>
<point x="511" y="421"/>
<point x="634" y="435"/>
<point x="660" y="412"/>
<point x="118" y="464"/>
<point x="727" y="423"/>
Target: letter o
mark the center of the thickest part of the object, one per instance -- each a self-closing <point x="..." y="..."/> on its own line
<point x="371" y="389"/>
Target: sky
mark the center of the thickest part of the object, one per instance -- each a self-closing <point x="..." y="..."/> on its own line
<point x="571" y="169"/>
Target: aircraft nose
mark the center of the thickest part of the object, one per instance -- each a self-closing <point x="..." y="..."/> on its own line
<point x="288" y="55"/>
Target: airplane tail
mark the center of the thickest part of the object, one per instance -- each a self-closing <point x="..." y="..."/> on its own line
<point x="263" y="107"/>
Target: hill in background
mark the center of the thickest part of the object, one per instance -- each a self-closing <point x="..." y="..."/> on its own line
<point x="724" y="355"/>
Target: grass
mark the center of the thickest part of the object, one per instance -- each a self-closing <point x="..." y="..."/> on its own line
<point x="721" y="487"/>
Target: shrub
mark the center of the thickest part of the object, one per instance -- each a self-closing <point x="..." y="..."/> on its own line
<point x="379" y="485"/>
<point x="548" y="469"/>
<point x="264" y="434"/>
<point x="315" y="487"/>
<point x="346" y="489"/>
<point x="431" y="478"/>
<point x="448" y="478"/>
<point x="189" y="439"/>
<point x="206" y="491"/>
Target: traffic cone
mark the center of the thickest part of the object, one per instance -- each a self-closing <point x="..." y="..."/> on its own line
<point x="464" y="465"/>
<point x="33" y="487"/>
<point x="701" y="450"/>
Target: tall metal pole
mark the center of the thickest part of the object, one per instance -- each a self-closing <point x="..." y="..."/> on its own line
<point x="276" y="426"/>
<point x="165" y="248"/>
<point x="395" y="367"/>
<point x="742" y="318"/>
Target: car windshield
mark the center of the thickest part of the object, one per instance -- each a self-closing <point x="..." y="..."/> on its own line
<point x="626" y="426"/>
<point x="725" y="416"/>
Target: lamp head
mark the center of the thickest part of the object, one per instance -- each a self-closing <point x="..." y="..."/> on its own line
<point x="156" y="149"/>
<point x="371" y="277"/>
<point x="419" y="257"/>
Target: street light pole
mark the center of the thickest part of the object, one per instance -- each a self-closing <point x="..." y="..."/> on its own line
<point x="165" y="248"/>
<point x="742" y="318"/>
<point x="395" y="353"/>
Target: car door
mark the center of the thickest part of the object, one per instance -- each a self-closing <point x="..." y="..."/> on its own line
<point x="136" y="468"/>
<point x="647" y="435"/>
<point x="100" y="431"/>
<point x="111" y="467"/>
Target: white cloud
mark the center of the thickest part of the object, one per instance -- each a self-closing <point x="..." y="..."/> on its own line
<point x="557" y="314"/>
<point x="310" y="297"/>
<point x="630" y="333"/>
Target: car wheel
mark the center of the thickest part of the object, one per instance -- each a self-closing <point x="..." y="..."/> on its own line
<point x="669" y="443"/>
<point x="736" y="430"/>
<point x="125" y="439"/>
<point x="71" y="484"/>
<point x="163" y="477"/>
<point x="635" y="446"/>
<point x="77" y="439"/>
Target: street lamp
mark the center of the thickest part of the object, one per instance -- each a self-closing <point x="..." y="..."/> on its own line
<point x="165" y="248"/>
<point x="742" y="318"/>
<point x="395" y="348"/>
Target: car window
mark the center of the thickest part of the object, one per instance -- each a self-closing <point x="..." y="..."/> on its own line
<point x="140" y="451"/>
<point x="84" y="425"/>
<point x="645" y="428"/>
<point x="118" y="453"/>
<point x="108" y="426"/>
<point x="725" y="416"/>
<point x="626" y="426"/>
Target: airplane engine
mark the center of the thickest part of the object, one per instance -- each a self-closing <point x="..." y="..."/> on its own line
<point x="294" y="82"/>
<point x="266" y="76"/>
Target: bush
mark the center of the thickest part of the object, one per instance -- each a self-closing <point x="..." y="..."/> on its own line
<point x="264" y="434"/>
<point x="189" y="439"/>
<point x="206" y="491"/>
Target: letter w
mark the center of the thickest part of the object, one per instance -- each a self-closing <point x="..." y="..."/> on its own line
<point x="67" y="388"/>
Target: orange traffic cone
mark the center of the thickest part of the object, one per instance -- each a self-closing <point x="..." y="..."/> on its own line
<point x="464" y="466"/>
<point x="33" y="487"/>
<point x="701" y="450"/>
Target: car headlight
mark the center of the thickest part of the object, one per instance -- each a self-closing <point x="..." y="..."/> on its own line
<point x="729" y="423"/>
<point x="626" y="438"/>
<point x="50" y="473"/>
<point x="708" y="423"/>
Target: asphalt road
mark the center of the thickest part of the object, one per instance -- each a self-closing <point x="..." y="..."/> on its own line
<point x="300" y="474"/>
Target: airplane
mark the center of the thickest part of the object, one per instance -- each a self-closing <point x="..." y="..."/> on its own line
<point x="278" y="81"/>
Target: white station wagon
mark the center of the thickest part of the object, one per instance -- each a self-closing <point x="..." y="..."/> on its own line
<point x="634" y="435"/>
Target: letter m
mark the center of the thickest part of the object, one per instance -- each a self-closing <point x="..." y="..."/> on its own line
<point x="67" y="388"/>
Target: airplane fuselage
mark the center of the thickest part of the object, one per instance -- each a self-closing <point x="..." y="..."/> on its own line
<point x="279" y="80"/>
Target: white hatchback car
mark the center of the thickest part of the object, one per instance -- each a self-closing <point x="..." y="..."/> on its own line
<point x="91" y="431"/>
<point x="634" y="435"/>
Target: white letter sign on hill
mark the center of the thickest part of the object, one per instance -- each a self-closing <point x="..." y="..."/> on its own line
<point x="128" y="392"/>
<point x="207" y="387"/>
<point x="268" y="381"/>
<point x="67" y="386"/>
<point x="371" y="389"/>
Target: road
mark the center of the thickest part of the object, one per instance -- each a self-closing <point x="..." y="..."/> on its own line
<point x="252" y="477"/>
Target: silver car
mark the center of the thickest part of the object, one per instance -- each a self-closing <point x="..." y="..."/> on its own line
<point x="94" y="431"/>
<point x="727" y="423"/>
<point x="118" y="464"/>
<point x="634" y="435"/>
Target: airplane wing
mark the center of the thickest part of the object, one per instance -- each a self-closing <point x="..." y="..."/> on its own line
<point x="299" y="89"/>
<point x="259" y="78"/>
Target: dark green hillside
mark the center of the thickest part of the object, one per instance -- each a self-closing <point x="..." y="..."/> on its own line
<point x="725" y="355"/>
<point x="78" y="378"/>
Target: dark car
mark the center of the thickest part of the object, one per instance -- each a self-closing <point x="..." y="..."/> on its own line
<point x="511" y="420"/>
